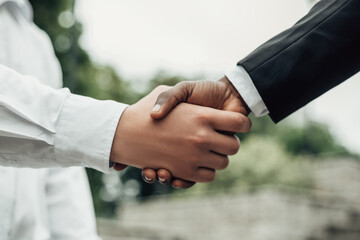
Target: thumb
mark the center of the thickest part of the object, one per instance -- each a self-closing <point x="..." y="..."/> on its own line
<point x="169" y="99"/>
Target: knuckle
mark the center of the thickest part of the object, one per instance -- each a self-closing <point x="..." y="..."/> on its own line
<point x="250" y="125"/>
<point x="211" y="177"/>
<point x="224" y="163"/>
<point x="173" y="96"/>
<point x="181" y="85"/>
<point x="202" y="116"/>
<point x="234" y="148"/>
<point x="201" y="137"/>
<point x="235" y="122"/>
<point x="184" y="85"/>
<point x="246" y="124"/>
<point x="165" y="94"/>
<point x="238" y="123"/>
<point x="183" y="91"/>
<point x="162" y="88"/>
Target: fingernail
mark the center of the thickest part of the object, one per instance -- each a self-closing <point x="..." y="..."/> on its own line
<point x="148" y="179"/>
<point x="156" y="108"/>
<point x="163" y="180"/>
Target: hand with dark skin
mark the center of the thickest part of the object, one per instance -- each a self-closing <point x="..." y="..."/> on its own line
<point x="219" y="95"/>
<point x="190" y="142"/>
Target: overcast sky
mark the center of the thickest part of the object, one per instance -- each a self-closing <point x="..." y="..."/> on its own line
<point x="203" y="38"/>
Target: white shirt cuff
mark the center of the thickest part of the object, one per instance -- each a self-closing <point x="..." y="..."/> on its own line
<point x="86" y="131"/>
<point x="247" y="90"/>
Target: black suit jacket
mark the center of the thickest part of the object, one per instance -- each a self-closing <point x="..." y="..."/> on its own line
<point x="316" y="54"/>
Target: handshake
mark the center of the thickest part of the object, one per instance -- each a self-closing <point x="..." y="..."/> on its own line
<point x="185" y="136"/>
<point x="190" y="131"/>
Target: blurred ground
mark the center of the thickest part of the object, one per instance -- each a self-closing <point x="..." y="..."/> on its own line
<point x="330" y="210"/>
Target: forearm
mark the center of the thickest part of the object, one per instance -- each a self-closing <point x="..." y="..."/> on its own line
<point x="44" y="127"/>
<point x="316" y="54"/>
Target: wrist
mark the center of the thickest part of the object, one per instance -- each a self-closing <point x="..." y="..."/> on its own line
<point x="244" y="108"/>
<point x="115" y="152"/>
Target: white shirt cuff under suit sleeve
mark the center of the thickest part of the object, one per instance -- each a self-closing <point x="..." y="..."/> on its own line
<point x="247" y="90"/>
<point x="45" y="127"/>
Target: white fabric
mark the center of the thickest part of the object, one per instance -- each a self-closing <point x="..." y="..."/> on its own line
<point x="44" y="127"/>
<point x="247" y="90"/>
<point x="44" y="204"/>
<point x="41" y="126"/>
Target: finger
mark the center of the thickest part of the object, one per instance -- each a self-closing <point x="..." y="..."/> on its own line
<point x="224" y="144"/>
<point x="169" y="99"/>
<point x="215" y="161"/>
<point x="119" y="166"/>
<point x="204" y="175"/>
<point x="179" y="183"/>
<point x="149" y="175"/>
<point x="164" y="176"/>
<point x="229" y="121"/>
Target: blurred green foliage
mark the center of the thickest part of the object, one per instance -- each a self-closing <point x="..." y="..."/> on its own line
<point x="270" y="154"/>
<point x="80" y="74"/>
<point x="309" y="138"/>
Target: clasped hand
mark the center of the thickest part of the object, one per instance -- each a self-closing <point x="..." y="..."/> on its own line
<point x="185" y="143"/>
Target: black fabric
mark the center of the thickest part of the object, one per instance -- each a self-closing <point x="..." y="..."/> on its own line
<point x="316" y="54"/>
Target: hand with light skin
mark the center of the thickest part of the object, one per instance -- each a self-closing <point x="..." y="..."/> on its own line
<point x="188" y="142"/>
<point x="219" y="95"/>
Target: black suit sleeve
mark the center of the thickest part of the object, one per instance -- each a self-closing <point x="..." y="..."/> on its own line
<point x="316" y="54"/>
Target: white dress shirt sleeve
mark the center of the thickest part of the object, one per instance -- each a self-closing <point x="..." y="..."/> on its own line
<point x="44" y="127"/>
<point x="247" y="90"/>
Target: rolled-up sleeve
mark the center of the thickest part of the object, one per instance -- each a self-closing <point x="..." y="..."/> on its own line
<point x="45" y="127"/>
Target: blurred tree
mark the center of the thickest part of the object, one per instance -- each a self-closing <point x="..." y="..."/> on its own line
<point x="311" y="139"/>
<point x="163" y="78"/>
<point x="80" y="74"/>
